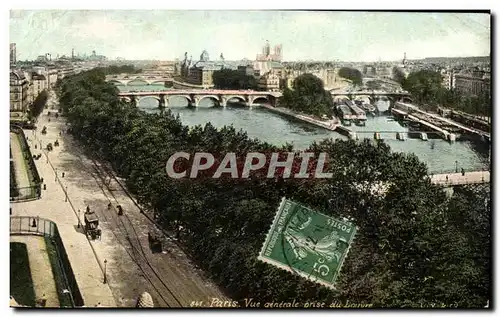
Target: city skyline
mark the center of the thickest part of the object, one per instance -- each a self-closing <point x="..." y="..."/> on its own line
<point x="309" y="35"/>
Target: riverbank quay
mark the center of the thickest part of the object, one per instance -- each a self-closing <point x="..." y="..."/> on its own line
<point x="330" y="125"/>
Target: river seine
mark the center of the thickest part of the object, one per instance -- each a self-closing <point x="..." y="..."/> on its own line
<point x="439" y="155"/>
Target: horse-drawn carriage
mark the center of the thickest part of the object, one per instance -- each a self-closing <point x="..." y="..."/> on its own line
<point x="155" y="240"/>
<point x="91" y="225"/>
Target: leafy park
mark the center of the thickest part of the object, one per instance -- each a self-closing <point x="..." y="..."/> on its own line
<point x="414" y="247"/>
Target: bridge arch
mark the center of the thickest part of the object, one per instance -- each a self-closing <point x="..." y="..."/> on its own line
<point x="169" y="98"/>
<point x="212" y="97"/>
<point x="134" y="82"/>
<point x="139" y="99"/>
<point x="240" y="98"/>
<point x="266" y="98"/>
<point x="154" y="82"/>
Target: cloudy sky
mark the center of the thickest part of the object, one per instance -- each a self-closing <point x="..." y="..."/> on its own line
<point x="165" y="35"/>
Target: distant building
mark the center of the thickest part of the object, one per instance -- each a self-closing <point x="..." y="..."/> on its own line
<point x="471" y="85"/>
<point x="276" y="55"/>
<point x="13" y="54"/>
<point x="18" y="91"/>
<point x="39" y="83"/>
<point x="247" y="70"/>
<point x="161" y="69"/>
<point x="201" y="72"/>
<point x="269" y="82"/>
<point x="369" y="70"/>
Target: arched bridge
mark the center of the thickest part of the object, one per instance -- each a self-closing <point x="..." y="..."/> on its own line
<point x="138" y="79"/>
<point x="371" y="94"/>
<point x="221" y="97"/>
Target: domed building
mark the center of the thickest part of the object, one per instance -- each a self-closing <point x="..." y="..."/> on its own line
<point x="200" y="73"/>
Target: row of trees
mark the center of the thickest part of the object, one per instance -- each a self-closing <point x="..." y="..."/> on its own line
<point x="352" y="74"/>
<point x="414" y="247"/>
<point x="14" y="192"/>
<point x="308" y="95"/>
<point x="426" y="87"/>
<point x="233" y="79"/>
<point x="37" y="107"/>
<point x="122" y="69"/>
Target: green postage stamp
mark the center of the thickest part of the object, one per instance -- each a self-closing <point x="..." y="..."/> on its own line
<point x="308" y="243"/>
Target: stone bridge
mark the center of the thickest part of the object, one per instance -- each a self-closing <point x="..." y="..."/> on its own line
<point x="140" y="79"/>
<point x="193" y="97"/>
<point x="373" y="95"/>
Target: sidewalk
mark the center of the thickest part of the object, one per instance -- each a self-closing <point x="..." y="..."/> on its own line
<point x="52" y="206"/>
<point x="125" y="278"/>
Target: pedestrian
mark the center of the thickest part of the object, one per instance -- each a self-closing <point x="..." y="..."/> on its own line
<point x="63" y="174"/>
<point x="463" y="172"/>
<point x="447" y="178"/>
<point x="88" y="209"/>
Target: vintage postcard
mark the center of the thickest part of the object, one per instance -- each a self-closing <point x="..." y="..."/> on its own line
<point x="250" y="159"/>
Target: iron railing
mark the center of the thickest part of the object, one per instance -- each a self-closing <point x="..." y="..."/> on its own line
<point x="33" y="191"/>
<point x="21" y="225"/>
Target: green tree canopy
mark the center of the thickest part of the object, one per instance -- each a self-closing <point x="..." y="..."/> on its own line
<point x="352" y="74"/>
<point x="122" y="69"/>
<point x="427" y="89"/>
<point x="414" y="247"/>
<point x="308" y="95"/>
<point x="233" y="79"/>
<point x="398" y="75"/>
<point x="37" y="107"/>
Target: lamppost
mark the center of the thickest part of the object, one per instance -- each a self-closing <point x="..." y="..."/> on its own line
<point x="66" y="199"/>
<point x="105" y="277"/>
<point x="78" y="218"/>
<point x="456" y="166"/>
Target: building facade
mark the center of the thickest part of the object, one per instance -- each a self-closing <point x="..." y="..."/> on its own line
<point x="39" y="82"/>
<point x="13" y="54"/>
<point x="18" y="91"/>
<point x="269" y="82"/>
<point x="471" y="85"/>
<point x="201" y="72"/>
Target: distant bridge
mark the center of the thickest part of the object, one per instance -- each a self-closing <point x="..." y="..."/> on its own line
<point x="140" y="79"/>
<point x="369" y="93"/>
<point x="193" y="97"/>
<point x="409" y="108"/>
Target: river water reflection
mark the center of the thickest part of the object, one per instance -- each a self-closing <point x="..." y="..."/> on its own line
<point x="439" y="155"/>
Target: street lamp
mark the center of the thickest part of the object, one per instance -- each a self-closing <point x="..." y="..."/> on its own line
<point x="456" y="166"/>
<point x="66" y="199"/>
<point x="105" y="277"/>
<point x="78" y="218"/>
